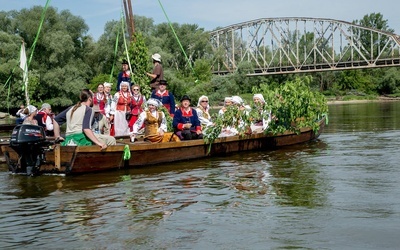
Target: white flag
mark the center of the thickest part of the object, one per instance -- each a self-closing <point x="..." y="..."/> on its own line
<point x="24" y="66"/>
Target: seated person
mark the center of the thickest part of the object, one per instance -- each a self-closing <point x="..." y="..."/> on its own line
<point x="186" y="122"/>
<point x="227" y="103"/>
<point x="100" y="123"/>
<point x="260" y="124"/>
<point x="237" y="125"/>
<point x="20" y="114"/>
<point x="79" y="119"/>
<point x="203" y="113"/>
<point x="155" y="129"/>
<point x="45" y="119"/>
<point x="30" y="113"/>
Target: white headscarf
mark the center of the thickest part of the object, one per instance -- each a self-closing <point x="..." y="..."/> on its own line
<point x="153" y="101"/>
<point x="31" y="109"/>
<point x="107" y="84"/>
<point x="259" y="96"/>
<point x="228" y="98"/>
<point x="124" y="83"/>
<point x="200" y="99"/>
<point x="237" y="100"/>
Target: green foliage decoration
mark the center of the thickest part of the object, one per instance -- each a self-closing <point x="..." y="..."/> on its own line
<point x="293" y="105"/>
<point x="167" y="117"/>
<point x="139" y="56"/>
<point x="233" y="117"/>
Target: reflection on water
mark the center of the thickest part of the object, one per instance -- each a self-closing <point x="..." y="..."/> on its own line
<point x="340" y="191"/>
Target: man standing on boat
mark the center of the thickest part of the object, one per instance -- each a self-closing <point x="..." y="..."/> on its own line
<point x="165" y="97"/>
<point x="79" y="119"/>
<point x="158" y="73"/>
<point x="124" y="75"/>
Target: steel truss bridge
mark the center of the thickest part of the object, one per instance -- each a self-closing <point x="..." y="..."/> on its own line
<point x="297" y="44"/>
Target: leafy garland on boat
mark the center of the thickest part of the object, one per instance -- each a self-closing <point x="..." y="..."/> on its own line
<point x="292" y="105"/>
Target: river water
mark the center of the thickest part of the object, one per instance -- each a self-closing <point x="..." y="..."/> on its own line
<point x="339" y="192"/>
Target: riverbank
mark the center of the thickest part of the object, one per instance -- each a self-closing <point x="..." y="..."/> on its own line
<point x="378" y="99"/>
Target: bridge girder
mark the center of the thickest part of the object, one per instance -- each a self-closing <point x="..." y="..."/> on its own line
<point x="299" y="45"/>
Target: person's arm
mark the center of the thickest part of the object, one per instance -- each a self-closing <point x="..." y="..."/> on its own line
<point x="203" y="121"/>
<point x="139" y="123"/>
<point x="59" y="120"/>
<point x="196" y="122"/>
<point x="163" y="126"/>
<point x="113" y="106"/>
<point x="176" y="120"/>
<point x="172" y="103"/>
<point x="49" y="123"/>
<point x="86" y="128"/>
<point x="151" y="75"/>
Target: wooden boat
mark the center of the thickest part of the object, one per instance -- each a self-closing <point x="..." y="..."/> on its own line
<point x="6" y="127"/>
<point x="83" y="159"/>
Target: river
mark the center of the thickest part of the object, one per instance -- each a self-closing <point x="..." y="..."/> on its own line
<point x="339" y="192"/>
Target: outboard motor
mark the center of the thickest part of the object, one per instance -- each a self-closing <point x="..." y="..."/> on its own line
<point x="29" y="141"/>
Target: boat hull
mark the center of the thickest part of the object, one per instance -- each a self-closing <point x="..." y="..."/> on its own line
<point x="85" y="159"/>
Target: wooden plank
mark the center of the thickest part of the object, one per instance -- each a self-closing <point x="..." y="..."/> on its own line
<point x="57" y="157"/>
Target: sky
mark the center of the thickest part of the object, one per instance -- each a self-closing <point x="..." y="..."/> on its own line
<point x="210" y="14"/>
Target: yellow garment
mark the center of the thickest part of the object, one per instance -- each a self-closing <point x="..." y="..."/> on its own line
<point x="151" y="130"/>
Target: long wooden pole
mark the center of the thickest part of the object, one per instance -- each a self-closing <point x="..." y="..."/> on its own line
<point x="127" y="19"/>
<point x="132" y="23"/>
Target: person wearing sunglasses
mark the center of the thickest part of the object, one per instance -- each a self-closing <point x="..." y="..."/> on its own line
<point x="137" y="103"/>
<point x="203" y="108"/>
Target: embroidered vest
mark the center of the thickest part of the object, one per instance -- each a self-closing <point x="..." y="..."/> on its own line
<point x="123" y="103"/>
<point x="152" y="123"/>
<point x="137" y="105"/>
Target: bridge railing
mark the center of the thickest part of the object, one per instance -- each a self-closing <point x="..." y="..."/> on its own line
<point x="290" y="45"/>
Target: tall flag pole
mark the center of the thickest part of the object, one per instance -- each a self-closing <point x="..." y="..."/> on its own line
<point x="23" y="64"/>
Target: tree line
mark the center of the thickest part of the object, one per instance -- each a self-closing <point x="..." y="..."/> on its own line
<point x="67" y="59"/>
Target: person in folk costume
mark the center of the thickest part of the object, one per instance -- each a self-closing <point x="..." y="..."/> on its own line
<point x="45" y="119"/>
<point x="79" y="118"/>
<point x="166" y="97"/>
<point x="137" y="104"/>
<point x="155" y="124"/>
<point x="124" y="75"/>
<point x="203" y="109"/>
<point x="99" y="98"/>
<point x="30" y="112"/>
<point x="227" y="103"/>
<point x="120" y="107"/>
<point x="262" y="124"/>
<point x="107" y="106"/>
<point x="186" y="122"/>
<point x="158" y="74"/>
<point x="238" y="104"/>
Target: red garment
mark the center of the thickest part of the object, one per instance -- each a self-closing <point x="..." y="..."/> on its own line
<point x="136" y="109"/>
<point x="100" y="99"/>
<point x="124" y="101"/>
<point x="44" y="117"/>
<point x="136" y="105"/>
<point x="112" y="130"/>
